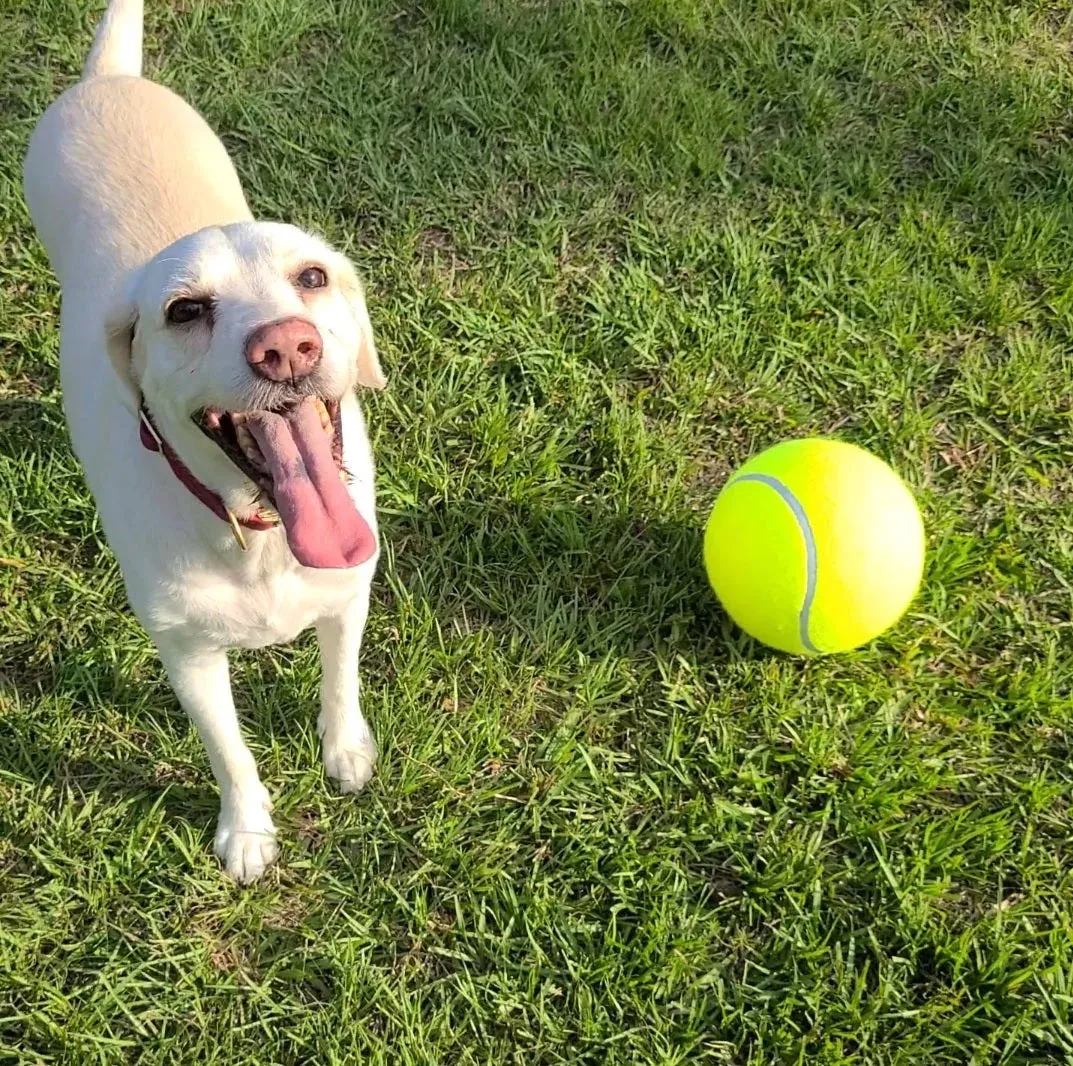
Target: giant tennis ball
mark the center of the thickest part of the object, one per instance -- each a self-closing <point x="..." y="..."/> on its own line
<point x="815" y="546"/>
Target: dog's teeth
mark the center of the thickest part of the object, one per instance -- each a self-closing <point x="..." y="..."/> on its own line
<point x="250" y="447"/>
<point x="238" y="418"/>
<point x="325" y="418"/>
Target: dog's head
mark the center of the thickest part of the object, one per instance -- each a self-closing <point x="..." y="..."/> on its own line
<point x="183" y="332"/>
<point x="249" y="336"/>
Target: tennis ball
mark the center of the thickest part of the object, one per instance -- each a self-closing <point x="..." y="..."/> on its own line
<point x="815" y="546"/>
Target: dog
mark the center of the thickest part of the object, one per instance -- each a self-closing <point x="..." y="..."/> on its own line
<point x="210" y="366"/>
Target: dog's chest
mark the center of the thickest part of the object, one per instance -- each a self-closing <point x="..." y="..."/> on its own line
<point x="269" y="607"/>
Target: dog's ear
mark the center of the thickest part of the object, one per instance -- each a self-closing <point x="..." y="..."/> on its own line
<point x="369" y="373"/>
<point x="120" y="326"/>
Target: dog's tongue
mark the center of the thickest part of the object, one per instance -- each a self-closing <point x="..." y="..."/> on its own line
<point x="323" y="526"/>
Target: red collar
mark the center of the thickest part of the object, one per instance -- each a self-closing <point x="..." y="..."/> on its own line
<point x="152" y="440"/>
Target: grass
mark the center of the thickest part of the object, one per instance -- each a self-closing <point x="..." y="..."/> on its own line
<point x="612" y="249"/>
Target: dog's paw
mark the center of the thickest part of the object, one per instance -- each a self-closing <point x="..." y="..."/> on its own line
<point x="349" y="761"/>
<point x="246" y="838"/>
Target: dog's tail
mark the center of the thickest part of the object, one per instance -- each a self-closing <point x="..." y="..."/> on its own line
<point x="117" y="48"/>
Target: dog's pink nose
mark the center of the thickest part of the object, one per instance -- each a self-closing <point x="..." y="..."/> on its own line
<point x="284" y="351"/>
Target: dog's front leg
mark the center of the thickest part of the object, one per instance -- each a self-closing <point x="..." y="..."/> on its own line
<point x="245" y="835"/>
<point x="347" y="743"/>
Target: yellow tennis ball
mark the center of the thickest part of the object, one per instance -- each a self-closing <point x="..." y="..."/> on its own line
<point x="815" y="546"/>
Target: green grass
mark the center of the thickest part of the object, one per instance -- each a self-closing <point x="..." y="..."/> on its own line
<point x="611" y="249"/>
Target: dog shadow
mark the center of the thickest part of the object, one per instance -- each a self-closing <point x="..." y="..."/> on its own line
<point x="588" y="575"/>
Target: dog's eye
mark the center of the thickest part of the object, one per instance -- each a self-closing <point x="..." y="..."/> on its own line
<point x="312" y="278"/>
<point x="182" y="311"/>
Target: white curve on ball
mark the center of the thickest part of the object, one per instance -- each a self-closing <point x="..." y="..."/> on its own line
<point x="801" y="518"/>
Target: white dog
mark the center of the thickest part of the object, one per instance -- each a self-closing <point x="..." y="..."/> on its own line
<point x="209" y="366"/>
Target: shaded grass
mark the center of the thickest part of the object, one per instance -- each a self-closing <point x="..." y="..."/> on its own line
<point x="611" y="251"/>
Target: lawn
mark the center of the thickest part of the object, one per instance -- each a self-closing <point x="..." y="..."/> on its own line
<point x="612" y="249"/>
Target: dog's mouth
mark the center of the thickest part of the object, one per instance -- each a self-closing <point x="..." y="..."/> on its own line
<point x="232" y="434"/>
<point x="294" y="455"/>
